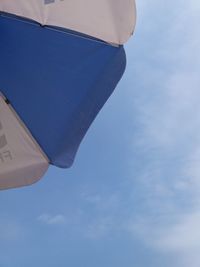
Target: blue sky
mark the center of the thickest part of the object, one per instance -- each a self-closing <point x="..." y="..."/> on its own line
<point x="132" y="197"/>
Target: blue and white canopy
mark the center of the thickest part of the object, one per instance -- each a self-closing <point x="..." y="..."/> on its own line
<point x="60" y="62"/>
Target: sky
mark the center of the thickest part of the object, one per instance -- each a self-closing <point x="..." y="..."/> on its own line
<point x="132" y="197"/>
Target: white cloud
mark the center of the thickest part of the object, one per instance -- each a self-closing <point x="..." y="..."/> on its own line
<point x="169" y="139"/>
<point x="48" y="219"/>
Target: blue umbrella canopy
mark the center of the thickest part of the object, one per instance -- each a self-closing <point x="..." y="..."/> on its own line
<point x="54" y="81"/>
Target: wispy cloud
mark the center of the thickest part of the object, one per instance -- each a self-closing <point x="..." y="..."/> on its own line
<point x="168" y="142"/>
<point x="48" y="219"/>
<point x="100" y="228"/>
<point x="104" y="214"/>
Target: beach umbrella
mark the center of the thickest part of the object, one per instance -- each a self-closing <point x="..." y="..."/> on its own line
<point x="60" y="60"/>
